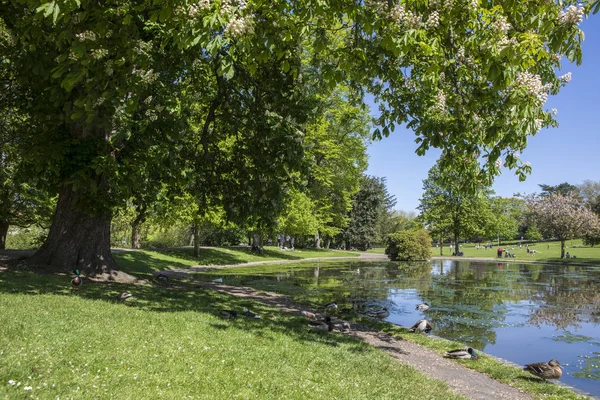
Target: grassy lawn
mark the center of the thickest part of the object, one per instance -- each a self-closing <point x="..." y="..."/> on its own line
<point x="545" y="251"/>
<point x="169" y="343"/>
<point x="145" y="262"/>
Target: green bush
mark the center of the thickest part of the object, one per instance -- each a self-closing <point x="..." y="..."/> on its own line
<point x="409" y="245"/>
<point x="29" y="238"/>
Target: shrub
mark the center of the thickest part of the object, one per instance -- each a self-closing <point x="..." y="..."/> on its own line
<point x="409" y="245"/>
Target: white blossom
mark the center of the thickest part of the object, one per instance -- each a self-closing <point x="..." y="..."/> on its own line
<point x="527" y="164"/>
<point x="498" y="163"/>
<point x="566" y="77"/>
<point x="573" y="15"/>
<point x="440" y="102"/>
<point x="433" y="21"/>
<point x="538" y="124"/>
<point x="533" y="85"/>
<point x="86" y="35"/>
<point x="474" y="4"/>
<point x="460" y="54"/>
<point x="554" y="111"/>
<point x="448" y="4"/>
<point x="11" y="382"/>
<point x="99" y="53"/>
<point x="501" y="24"/>
<point x="238" y="27"/>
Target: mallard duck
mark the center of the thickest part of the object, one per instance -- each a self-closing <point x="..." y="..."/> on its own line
<point x="549" y="370"/>
<point x="309" y="315"/>
<point x="76" y="281"/>
<point x="124" y="296"/>
<point x="228" y="314"/>
<point x="422" y="307"/>
<point x="420" y="326"/>
<point x="250" y="314"/>
<point x="381" y="314"/>
<point x="324" y="326"/>
<point x="331" y="305"/>
<point x="462" y="353"/>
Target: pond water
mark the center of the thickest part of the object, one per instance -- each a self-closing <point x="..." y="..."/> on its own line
<point x="520" y="312"/>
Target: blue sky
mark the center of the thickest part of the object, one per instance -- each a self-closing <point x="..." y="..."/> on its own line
<point x="569" y="153"/>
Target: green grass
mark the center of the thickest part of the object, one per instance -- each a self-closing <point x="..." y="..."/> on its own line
<point x="169" y="343"/>
<point x="545" y="251"/>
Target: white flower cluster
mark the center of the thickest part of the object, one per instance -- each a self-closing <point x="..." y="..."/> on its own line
<point x="99" y="101"/>
<point x="556" y="57"/>
<point x="410" y="19"/>
<point x="73" y="56"/>
<point x="148" y="100"/>
<point x="433" y="21"/>
<point x="527" y="164"/>
<point x="554" y="112"/>
<point x="238" y="27"/>
<point x="440" y="102"/>
<point x="506" y="42"/>
<point x="538" y="124"/>
<point x="498" y="163"/>
<point x="195" y="8"/>
<point x="108" y="67"/>
<point x="147" y="77"/>
<point x="533" y="85"/>
<point x="566" y="78"/>
<point x="442" y="76"/>
<point x="410" y="83"/>
<point x="460" y="54"/>
<point x="573" y="15"/>
<point x="99" y="54"/>
<point x="448" y="4"/>
<point x="76" y="18"/>
<point x="516" y="154"/>
<point x="87" y="35"/>
<point x="474" y="4"/>
<point x="151" y="116"/>
<point x="501" y="24"/>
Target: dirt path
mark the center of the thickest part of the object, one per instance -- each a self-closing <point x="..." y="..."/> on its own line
<point x="469" y="383"/>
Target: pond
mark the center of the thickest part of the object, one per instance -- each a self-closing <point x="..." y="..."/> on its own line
<point x="520" y="312"/>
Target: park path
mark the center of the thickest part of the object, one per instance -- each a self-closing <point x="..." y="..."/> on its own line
<point x="467" y="382"/>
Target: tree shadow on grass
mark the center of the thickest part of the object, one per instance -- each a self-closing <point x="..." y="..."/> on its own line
<point x="170" y="298"/>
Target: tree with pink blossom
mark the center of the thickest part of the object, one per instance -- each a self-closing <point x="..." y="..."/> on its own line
<point x="562" y="217"/>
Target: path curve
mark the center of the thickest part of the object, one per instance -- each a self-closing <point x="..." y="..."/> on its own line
<point x="467" y="382"/>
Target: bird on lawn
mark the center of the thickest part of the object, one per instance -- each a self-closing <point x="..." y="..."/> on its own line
<point x="324" y="326"/>
<point x="250" y="314"/>
<point x="381" y="314"/>
<point x="228" y="314"/>
<point x="545" y="370"/>
<point x="331" y="305"/>
<point x="420" y="326"/>
<point x="124" y="296"/>
<point x="309" y="315"/>
<point x="76" y="281"/>
<point x="468" y="354"/>
<point x="345" y="326"/>
<point x="422" y="307"/>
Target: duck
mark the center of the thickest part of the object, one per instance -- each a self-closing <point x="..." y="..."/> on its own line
<point x="420" y="326"/>
<point x="422" y="307"/>
<point x="124" y="296"/>
<point x="545" y="370"/>
<point x="250" y="314"/>
<point x="324" y="326"/>
<point x="162" y="277"/>
<point x="309" y="315"/>
<point x="381" y="314"/>
<point x="468" y="354"/>
<point x="331" y="305"/>
<point x="76" y="281"/>
<point x="228" y="314"/>
<point x="345" y="326"/>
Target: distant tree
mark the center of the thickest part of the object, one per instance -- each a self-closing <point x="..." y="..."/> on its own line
<point x="561" y="217"/>
<point x="449" y="206"/>
<point x="505" y="216"/>
<point x="371" y="200"/>
<point x="590" y="192"/>
<point x="564" y="189"/>
<point x="391" y="221"/>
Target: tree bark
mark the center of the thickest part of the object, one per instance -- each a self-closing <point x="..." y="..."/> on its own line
<point x="196" y="241"/>
<point x="77" y="240"/>
<point x="3" y="232"/>
<point x="317" y="241"/>
<point x="136" y="229"/>
<point x="562" y="249"/>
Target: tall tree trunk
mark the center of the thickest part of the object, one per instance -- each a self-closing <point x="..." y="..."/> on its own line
<point x="196" y="241"/>
<point x="562" y="249"/>
<point x="327" y="243"/>
<point x="3" y="232"/>
<point x="136" y="228"/>
<point x="456" y="247"/>
<point x="77" y="240"/>
<point x="317" y="241"/>
<point x="441" y="245"/>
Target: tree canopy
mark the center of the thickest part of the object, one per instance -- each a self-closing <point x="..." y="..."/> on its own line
<point x="218" y="93"/>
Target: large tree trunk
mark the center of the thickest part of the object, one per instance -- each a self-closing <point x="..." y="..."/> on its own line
<point x="77" y="240"/>
<point x="317" y="241"/>
<point x="3" y="232"/>
<point x="196" y="241"/>
<point x="562" y="249"/>
<point x="456" y="247"/>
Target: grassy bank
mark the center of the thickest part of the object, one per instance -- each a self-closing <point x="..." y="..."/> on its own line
<point x="544" y="251"/>
<point x="170" y="343"/>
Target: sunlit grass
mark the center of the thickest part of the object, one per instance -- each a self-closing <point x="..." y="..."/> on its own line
<point x="169" y="343"/>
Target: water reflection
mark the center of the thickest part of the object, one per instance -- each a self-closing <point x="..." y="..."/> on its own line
<point x="521" y="312"/>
